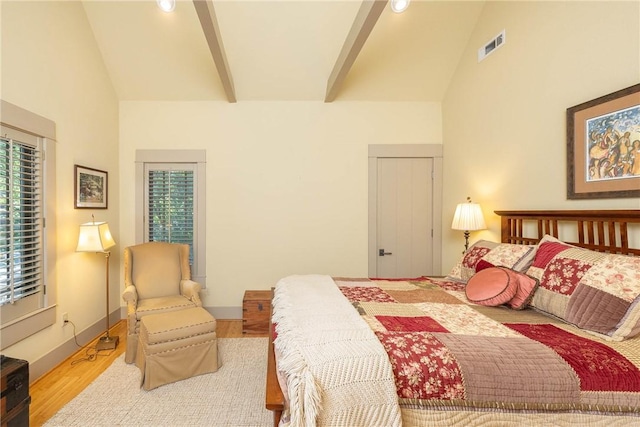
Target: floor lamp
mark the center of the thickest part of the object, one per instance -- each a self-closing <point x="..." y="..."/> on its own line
<point x="96" y="237"/>
<point x="468" y="217"/>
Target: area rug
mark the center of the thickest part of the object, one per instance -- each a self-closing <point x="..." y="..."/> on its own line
<point x="232" y="396"/>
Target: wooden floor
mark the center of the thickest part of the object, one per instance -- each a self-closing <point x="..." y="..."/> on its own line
<point x="53" y="390"/>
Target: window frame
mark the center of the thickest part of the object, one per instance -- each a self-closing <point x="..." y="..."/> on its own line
<point x="21" y="120"/>
<point x="196" y="158"/>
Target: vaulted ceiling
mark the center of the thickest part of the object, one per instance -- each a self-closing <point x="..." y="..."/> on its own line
<point x="282" y="50"/>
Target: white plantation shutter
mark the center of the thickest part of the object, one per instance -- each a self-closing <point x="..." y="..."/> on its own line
<point x="171" y="204"/>
<point x="21" y="220"/>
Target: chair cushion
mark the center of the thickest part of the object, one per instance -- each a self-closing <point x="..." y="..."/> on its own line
<point x="162" y="305"/>
<point x="176" y="325"/>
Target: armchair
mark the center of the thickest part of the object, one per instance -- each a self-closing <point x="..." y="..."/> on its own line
<point x="157" y="279"/>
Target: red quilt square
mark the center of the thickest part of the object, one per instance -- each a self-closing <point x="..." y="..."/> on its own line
<point x="365" y="294"/>
<point x="546" y="252"/>
<point x="562" y="275"/>
<point x="599" y="367"/>
<point x="423" y="366"/>
<point x="411" y="324"/>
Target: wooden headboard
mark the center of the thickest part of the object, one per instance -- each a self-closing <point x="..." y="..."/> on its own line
<point x="598" y="230"/>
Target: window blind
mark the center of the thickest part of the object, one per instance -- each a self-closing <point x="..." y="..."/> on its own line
<point x="170" y="207"/>
<point x="21" y="220"/>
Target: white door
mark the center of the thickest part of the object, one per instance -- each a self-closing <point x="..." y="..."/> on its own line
<point x="404" y="217"/>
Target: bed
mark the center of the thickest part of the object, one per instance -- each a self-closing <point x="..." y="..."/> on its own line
<point x="557" y="344"/>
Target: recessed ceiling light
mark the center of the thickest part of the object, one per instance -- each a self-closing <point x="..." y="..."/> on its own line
<point x="399" y="6"/>
<point x="167" y="5"/>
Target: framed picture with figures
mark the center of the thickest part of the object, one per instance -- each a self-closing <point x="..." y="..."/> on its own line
<point x="603" y="146"/>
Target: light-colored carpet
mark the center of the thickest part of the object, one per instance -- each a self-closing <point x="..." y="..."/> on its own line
<point x="233" y="396"/>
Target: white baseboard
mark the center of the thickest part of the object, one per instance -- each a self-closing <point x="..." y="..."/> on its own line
<point x="58" y="355"/>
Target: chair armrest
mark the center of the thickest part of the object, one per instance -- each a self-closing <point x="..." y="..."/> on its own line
<point x="130" y="295"/>
<point x="191" y="290"/>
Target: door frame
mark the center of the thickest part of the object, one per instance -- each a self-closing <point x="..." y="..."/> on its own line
<point x="432" y="151"/>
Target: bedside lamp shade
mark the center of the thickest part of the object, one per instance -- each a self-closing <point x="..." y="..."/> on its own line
<point x="95" y="237"/>
<point x="468" y="217"/>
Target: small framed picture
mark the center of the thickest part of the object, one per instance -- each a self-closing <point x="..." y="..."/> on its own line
<point x="91" y="188"/>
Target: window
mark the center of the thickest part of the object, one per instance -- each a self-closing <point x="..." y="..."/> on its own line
<point x="21" y="219"/>
<point x="172" y="199"/>
<point x="170" y="204"/>
<point x="27" y="224"/>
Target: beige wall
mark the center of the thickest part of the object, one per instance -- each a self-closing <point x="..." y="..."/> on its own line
<point x="504" y="118"/>
<point x="286" y="181"/>
<point x="51" y="66"/>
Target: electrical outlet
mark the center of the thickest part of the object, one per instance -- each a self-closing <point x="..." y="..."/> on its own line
<point x="65" y="318"/>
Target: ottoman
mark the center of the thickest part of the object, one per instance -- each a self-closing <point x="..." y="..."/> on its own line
<point x="176" y="345"/>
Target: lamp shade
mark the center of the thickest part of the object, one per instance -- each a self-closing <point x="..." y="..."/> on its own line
<point x="468" y="217"/>
<point x="94" y="237"/>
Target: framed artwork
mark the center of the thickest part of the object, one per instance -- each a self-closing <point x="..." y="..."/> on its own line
<point x="603" y="146"/>
<point x="91" y="188"/>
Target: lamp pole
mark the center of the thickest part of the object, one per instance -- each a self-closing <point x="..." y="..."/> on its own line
<point x="107" y="342"/>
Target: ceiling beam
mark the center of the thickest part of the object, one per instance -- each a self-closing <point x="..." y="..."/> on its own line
<point x="209" y="23"/>
<point x="368" y="14"/>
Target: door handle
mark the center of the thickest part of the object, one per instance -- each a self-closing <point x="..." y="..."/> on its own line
<point x="381" y="252"/>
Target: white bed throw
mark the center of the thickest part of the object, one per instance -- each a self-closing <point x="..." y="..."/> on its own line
<point x="338" y="373"/>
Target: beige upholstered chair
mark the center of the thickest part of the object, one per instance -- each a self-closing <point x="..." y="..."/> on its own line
<point x="157" y="279"/>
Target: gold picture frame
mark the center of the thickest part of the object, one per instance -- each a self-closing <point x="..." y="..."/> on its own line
<point x="603" y="146"/>
<point x="91" y="188"/>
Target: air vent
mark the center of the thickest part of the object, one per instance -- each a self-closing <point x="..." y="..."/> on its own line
<point x="492" y="45"/>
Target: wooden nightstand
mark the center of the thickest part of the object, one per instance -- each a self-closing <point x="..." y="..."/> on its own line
<point x="256" y="309"/>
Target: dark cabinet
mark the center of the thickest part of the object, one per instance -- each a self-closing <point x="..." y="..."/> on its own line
<point x="15" y="392"/>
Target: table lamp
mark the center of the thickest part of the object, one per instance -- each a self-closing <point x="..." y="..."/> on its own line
<point x="468" y="217"/>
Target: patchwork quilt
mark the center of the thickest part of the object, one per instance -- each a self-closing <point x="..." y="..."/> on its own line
<point x="446" y="352"/>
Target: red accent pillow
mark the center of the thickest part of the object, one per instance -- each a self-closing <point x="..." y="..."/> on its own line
<point x="491" y="286"/>
<point x="527" y="286"/>
<point x="500" y="285"/>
